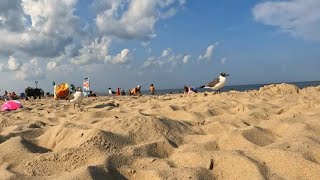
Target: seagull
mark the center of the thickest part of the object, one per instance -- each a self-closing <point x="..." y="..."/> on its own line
<point x="77" y="98"/>
<point x="217" y="83"/>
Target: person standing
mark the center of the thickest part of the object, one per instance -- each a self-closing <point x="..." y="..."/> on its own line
<point x="152" y="89"/>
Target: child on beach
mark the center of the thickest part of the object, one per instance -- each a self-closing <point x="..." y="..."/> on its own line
<point x="152" y="89"/>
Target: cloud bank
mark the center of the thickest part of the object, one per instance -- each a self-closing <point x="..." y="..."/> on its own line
<point x="55" y="34"/>
<point x="53" y="40"/>
<point x="298" y="18"/>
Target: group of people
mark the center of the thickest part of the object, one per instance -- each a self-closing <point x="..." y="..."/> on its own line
<point x="118" y="93"/>
<point x="136" y="91"/>
<point x="10" y="96"/>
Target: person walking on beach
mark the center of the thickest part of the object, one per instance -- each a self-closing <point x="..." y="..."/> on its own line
<point x="152" y="89"/>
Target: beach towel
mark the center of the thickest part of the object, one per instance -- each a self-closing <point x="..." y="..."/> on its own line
<point x="11" y="105"/>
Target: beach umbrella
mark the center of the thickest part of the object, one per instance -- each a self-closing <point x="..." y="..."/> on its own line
<point x="11" y="105"/>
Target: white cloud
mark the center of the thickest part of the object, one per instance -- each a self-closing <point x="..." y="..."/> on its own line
<point x="52" y="38"/>
<point x="168" y="59"/>
<point x="12" y="17"/>
<point x="98" y="52"/>
<point x="186" y="59"/>
<point x="51" y="65"/>
<point x="121" y="58"/>
<point x="30" y="71"/>
<point x="138" y="21"/>
<point x="13" y="64"/>
<point x="45" y="27"/>
<point x="223" y="60"/>
<point x="54" y="64"/>
<point x="299" y="18"/>
<point x="54" y="17"/>
<point x="165" y="52"/>
<point x="95" y="52"/>
<point x="209" y="52"/>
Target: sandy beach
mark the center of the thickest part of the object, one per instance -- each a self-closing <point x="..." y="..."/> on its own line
<point x="273" y="133"/>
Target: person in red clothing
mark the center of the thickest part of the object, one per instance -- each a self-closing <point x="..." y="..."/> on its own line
<point x="118" y="92"/>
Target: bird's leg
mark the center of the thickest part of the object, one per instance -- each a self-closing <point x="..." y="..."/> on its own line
<point x="79" y="107"/>
<point x="74" y="106"/>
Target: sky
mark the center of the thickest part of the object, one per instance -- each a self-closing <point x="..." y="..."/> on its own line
<point x="170" y="43"/>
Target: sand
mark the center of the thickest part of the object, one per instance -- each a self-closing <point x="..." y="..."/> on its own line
<point x="273" y="133"/>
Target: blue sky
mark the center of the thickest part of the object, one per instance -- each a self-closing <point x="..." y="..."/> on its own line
<point x="171" y="43"/>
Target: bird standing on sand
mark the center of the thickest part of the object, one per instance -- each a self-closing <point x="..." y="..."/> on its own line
<point x="77" y="98"/>
<point x="217" y="83"/>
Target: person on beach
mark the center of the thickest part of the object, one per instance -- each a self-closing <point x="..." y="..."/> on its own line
<point x="110" y="92"/>
<point x="118" y="92"/>
<point x="185" y="89"/>
<point x="5" y="93"/>
<point x="92" y="94"/>
<point x="123" y="93"/>
<point x="5" y="96"/>
<point x="190" y="90"/>
<point x="136" y="91"/>
<point x="152" y="89"/>
<point x="14" y="96"/>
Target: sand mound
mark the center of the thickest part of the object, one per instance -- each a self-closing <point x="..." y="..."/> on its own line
<point x="144" y="129"/>
<point x="64" y="136"/>
<point x="234" y="135"/>
<point x="276" y="89"/>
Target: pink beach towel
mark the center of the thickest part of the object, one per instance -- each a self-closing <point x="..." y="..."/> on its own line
<point x="11" y="105"/>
